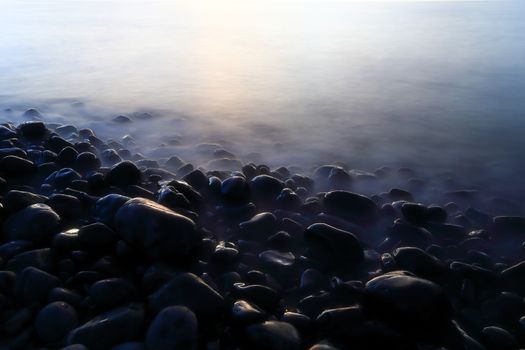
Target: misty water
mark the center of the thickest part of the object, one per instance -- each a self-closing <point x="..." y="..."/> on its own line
<point x="434" y="85"/>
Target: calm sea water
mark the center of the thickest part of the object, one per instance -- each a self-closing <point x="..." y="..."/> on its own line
<point x="436" y="84"/>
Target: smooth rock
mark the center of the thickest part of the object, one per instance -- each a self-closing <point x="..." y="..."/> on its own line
<point x="36" y="223"/>
<point x="109" y="328"/>
<point x="55" y="321"/>
<point x="174" y="328"/>
<point x="350" y="206"/>
<point x="160" y="232"/>
<point x="272" y="335"/>
<point x="188" y="290"/>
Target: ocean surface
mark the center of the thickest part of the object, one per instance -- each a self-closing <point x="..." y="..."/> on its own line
<point x="436" y="85"/>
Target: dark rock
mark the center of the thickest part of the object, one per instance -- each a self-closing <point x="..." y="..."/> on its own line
<point x="235" y="190"/>
<point x="414" y="213"/>
<point x="65" y="205"/>
<point x="65" y="295"/>
<point x="33" y="130"/>
<point x="514" y="277"/>
<point x="86" y="162"/>
<point x="436" y="214"/>
<point x="259" y="227"/>
<point x="65" y="242"/>
<point x="407" y="302"/>
<point x="97" y="237"/>
<point x="161" y="232"/>
<point x="112" y="292"/>
<point x="106" y="208"/>
<point x="55" y="321"/>
<point x="245" y="313"/>
<point x="122" y="119"/>
<point x="188" y="290"/>
<point x="174" y="162"/>
<point x="109" y="328"/>
<point x="510" y="225"/>
<point x="262" y="296"/>
<point x="419" y="263"/>
<point x="6" y="133"/>
<point x="34" y="285"/>
<point x="12" y="248"/>
<point x="272" y="335"/>
<point x="16" y="200"/>
<point x="266" y="188"/>
<point x="499" y="338"/>
<point x="332" y="246"/>
<point x="13" y="151"/>
<point x="36" y="223"/>
<point x="277" y="262"/>
<point x="196" y="179"/>
<point x="171" y="198"/>
<point x="15" y="166"/>
<point x="175" y="327"/>
<point x="410" y="234"/>
<point x="62" y="178"/>
<point x="32" y="113"/>
<point x="124" y="174"/>
<point x="350" y="206"/>
<point x="39" y="258"/>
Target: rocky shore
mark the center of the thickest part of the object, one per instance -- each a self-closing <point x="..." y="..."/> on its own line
<point x="101" y="248"/>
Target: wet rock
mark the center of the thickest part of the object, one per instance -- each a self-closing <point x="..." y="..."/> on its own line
<point x="64" y="295"/>
<point x="259" y="227"/>
<point x="32" y="113"/>
<point x="112" y="292"/>
<point x="36" y="223"/>
<point x="510" y="225"/>
<point x="266" y="188"/>
<point x="65" y="205"/>
<point x="272" y="335"/>
<point x="39" y="258"/>
<point x="410" y="235"/>
<point x="332" y="246"/>
<point x="13" y="166"/>
<point x="65" y="242"/>
<point x="106" y="208"/>
<point x="97" y="237"/>
<point x="196" y="179"/>
<point x="174" y="162"/>
<point x="122" y="119"/>
<point x="498" y="338"/>
<point x="263" y="296"/>
<point x="419" y="263"/>
<point x="34" y="285"/>
<point x="245" y="313"/>
<point x="175" y="327"/>
<point x="124" y="174"/>
<point x="160" y="232"/>
<point x="62" y="178"/>
<point x="33" y="130"/>
<point x="86" y="162"/>
<point x="350" y="206"/>
<point x="235" y="190"/>
<point x="13" y="151"/>
<point x="414" y="213"/>
<point x="407" y="302"/>
<point x="16" y="200"/>
<point x="109" y="328"/>
<point x="6" y="133"/>
<point x="55" y="321"/>
<point x="188" y="290"/>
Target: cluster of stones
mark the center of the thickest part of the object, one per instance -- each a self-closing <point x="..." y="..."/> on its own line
<point x="101" y="249"/>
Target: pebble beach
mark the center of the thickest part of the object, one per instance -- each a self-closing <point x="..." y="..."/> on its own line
<point x="104" y="248"/>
